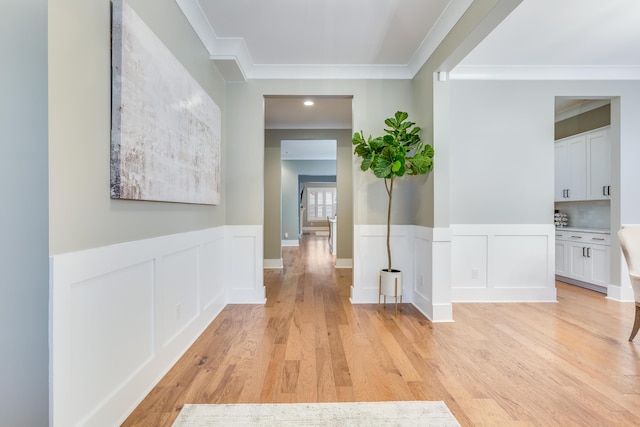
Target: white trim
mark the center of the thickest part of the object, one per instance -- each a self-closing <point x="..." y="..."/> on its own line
<point x="503" y="262"/>
<point x="344" y="263"/>
<point x="236" y="49"/>
<point x="126" y="296"/>
<point x="273" y="263"/>
<point x="290" y="243"/>
<point x="624" y="292"/>
<point x="370" y="256"/>
<point x="544" y="72"/>
<point x="245" y="280"/>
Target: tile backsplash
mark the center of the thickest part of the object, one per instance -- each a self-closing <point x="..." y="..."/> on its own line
<point x="589" y="214"/>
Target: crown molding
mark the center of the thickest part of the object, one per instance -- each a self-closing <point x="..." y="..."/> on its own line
<point x="544" y="72"/>
<point x="235" y="62"/>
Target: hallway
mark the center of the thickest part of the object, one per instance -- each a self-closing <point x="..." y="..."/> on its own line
<point x="499" y="364"/>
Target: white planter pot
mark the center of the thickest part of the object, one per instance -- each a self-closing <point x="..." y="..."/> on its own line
<point x="391" y="283"/>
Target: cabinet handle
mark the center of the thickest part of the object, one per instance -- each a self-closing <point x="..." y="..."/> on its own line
<point x="576" y="237"/>
<point x="608" y="190"/>
<point x="604" y="190"/>
<point x="568" y="196"/>
<point x="597" y="238"/>
<point x="583" y="248"/>
<point x="588" y="252"/>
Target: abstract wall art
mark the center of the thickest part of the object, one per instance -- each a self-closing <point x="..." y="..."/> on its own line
<point x="165" y="129"/>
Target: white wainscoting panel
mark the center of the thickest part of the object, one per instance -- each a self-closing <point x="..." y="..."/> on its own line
<point x="432" y="261"/>
<point x="212" y="269"/>
<point x="370" y="256"/>
<point x="102" y="328"/>
<point x="503" y="262"/>
<point x="122" y="315"/>
<point x="177" y="292"/>
<point x="245" y="284"/>
<point x="423" y="267"/>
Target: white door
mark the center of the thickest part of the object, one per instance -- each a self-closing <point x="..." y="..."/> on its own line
<point x="599" y="165"/>
<point x="577" y="168"/>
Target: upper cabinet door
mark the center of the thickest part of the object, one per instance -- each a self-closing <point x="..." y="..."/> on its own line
<point x="570" y="169"/>
<point x="577" y="168"/>
<point x="599" y="178"/>
<point x="583" y="167"/>
<point x="561" y="172"/>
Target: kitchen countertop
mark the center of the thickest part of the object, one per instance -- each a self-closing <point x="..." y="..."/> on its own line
<point x="585" y="230"/>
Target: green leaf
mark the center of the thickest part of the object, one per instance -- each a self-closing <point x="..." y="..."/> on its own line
<point x="357" y="138"/>
<point x="422" y="161"/>
<point x="376" y="144"/>
<point x="382" y="167"/>
<point x="366" y="163"/>
<point x="401" y="116"/>
<point x="362" y="150"/>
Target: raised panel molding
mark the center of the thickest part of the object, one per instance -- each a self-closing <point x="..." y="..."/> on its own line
<point x="122" y="315"/>
<point x="423" y="256"/>
<point x="245" y="284"/>
<point x="370" y="256"/>
<point x="503" y="262"/>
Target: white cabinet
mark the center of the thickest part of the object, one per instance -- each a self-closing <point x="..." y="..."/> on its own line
<point x="583" y="167"/>
<point x="599" y="154"/>
<point x="584" y="257"/>
<point x="561" y="255"/>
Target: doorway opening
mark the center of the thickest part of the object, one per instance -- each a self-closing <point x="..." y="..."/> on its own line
<point x="586" y="158"/>
<point x="308" y="175"/>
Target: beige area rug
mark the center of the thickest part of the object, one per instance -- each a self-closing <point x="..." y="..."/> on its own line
<point x="356" y="414"/>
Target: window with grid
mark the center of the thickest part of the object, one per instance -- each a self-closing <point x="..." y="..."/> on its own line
<point x="321" y="203"/>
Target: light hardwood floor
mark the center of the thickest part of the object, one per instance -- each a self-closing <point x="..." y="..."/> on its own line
<point x="544" y="364"/>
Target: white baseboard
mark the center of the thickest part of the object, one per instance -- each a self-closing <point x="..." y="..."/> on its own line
<point x="344" y="263"/>
<point x="290" y="243"/>
<point x="273" y="263"/>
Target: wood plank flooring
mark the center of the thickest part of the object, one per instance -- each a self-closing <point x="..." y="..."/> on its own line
<point x="545" y="364"/>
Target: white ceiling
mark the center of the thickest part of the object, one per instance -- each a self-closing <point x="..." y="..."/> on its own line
<point x="289" y="112"/>
<point x="251" y="39"/>
<point x="322" y="38"/>
<point x="560" y="39"/>
<point x="539" y="39"/>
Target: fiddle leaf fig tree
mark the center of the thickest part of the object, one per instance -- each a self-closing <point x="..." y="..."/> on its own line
<point x="400" y="152"/>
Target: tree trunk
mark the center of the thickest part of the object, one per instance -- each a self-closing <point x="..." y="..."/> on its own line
<point x="389" y="187"/>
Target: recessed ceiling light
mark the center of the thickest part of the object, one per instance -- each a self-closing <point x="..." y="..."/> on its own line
<point x="308" y="103"/>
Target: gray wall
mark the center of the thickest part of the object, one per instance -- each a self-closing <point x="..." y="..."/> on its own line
<point x="272" y="203"/>
<point x="373" y="102"/>
<point x="502" y="168"/>
<point x="432" y="105"/>
<point x="24" y="265"/>
<point x="502" y="151"/>
<point x="81" y="213"/>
